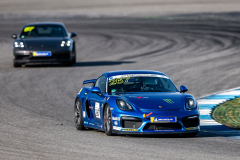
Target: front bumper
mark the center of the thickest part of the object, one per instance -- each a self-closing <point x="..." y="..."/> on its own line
<point x="24" y="56"/>
<point x="136" y="124"/>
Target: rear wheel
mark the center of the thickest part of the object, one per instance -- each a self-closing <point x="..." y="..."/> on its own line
<point x="78" y="115"/>
<point x="107" y="121"/>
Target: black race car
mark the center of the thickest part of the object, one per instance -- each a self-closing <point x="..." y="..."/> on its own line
<point x="44" y="42"/>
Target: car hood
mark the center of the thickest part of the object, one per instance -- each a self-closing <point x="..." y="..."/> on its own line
<point x="42" y="43"/>
<point x="164" y="101"/>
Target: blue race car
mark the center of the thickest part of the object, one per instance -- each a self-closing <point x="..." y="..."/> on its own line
<point x="136" y="102"/>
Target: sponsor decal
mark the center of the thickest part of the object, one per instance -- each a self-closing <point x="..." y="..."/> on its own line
<point x="80" y="91"/>
<point x="115" y="123"/>
<point x="113" y="90"/>
<point x="108" y="98"/>
<point x="84" y="114"/>
<point x="129" y="129"/>
<point x="97" y="110"/>
<point x="101" y="126"/>
<point x="168" y="101"/>
<point x="139" y="97"/>
<point x="163" y="119"/>
<point x="111" y="109"/>
<point x="91" y="108"/>
<point x="116" y="118"/>
<point x="29" y="28"/>
<point x="148" y="114"/>
<point x="191" y="128"/>
<point x="42" y="54"/>
<point x="85" y="122"/>
<point x="91" y="124"/>
<point x="145" y="116"/>
<point x="117" y="81"/>
<point x="117" y="128"/>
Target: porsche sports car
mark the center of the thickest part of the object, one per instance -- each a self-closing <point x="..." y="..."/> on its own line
<point x="136" y="102"/>
<point x="44" y="42"/>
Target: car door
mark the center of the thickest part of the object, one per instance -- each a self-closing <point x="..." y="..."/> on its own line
<point x="97" y="100"/>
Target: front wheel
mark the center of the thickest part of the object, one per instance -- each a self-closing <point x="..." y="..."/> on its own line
<point x="107" y="121"/>
<point x="78" y="115"/>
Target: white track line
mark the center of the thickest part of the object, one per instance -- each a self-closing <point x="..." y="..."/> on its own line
<point x="237" y="92"/>
<point x="211" y="101"/>
<point x="209" y="122"/>
<point x="205" y="111"/>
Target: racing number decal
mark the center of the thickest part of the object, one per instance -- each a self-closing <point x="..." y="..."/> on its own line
<point x="97" y="110"/>
<point x="118" y="81"/>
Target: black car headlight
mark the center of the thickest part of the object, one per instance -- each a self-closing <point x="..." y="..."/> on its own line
<point x="18" y="45"/>
<point x="190" y="103"/>
<point x="123" y="105"/>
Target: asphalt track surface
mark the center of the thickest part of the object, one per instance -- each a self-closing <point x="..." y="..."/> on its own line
<point x="36" y="101"/>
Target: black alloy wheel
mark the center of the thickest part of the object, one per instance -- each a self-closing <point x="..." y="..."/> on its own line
<point x="78" y="115"/>
<point x="107" y="121"/>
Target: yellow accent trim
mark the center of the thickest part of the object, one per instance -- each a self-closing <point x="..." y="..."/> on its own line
<point x="191" y="128"/>
<point x="129" y="129"/>
<point x="144" y="115"/>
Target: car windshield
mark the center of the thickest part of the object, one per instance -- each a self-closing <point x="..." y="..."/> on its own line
<point x="140" y="83"/>
<point x="43" y="31"/>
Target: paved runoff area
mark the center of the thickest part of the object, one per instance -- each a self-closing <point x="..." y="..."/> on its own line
<point x="206" y="105"/>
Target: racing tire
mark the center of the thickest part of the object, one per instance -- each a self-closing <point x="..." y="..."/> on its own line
<point x="107" y="117"/>
<point x="190" y="134"/>
<point x="78" y="115"/>
<point x="74" y="57"/>
<point x="17" y="65"/>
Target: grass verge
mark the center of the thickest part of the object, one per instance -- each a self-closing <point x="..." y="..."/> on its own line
<point x="228" y="113"/>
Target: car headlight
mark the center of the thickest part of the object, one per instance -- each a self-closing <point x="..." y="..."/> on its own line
<point x="18" y="44"/>
<point x="190" y="104"/>
<point x="65" y="43"/>
<point x="123" y="105"/>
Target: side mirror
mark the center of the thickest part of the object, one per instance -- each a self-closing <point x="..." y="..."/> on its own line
<point x="96" y="90"/>
<point x="73" y="34"/>
<point x="14" y="36"/>
<point x="183" y="89"/>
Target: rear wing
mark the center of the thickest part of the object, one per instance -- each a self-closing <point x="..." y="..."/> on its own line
<point x="89" y="81"/>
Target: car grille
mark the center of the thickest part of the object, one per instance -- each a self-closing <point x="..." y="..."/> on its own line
<point x="190" y="122"/>
<point x="162" y="126"/>
<point x="131" y="122"/>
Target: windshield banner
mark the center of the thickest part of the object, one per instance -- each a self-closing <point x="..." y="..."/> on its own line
<point x="138" y="75"/>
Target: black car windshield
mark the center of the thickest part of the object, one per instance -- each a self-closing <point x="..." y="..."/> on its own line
<point x="140" y="83"/>
<point x="43" y="31"/>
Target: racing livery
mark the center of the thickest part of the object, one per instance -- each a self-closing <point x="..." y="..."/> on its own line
<point x="136" y="102"/>
<point x="44" y="42"/>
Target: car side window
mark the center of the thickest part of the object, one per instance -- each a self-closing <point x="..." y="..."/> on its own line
<point x="101" y="83"/>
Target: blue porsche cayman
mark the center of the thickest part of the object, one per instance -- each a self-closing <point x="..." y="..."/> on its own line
<point x="136" y="102"/>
